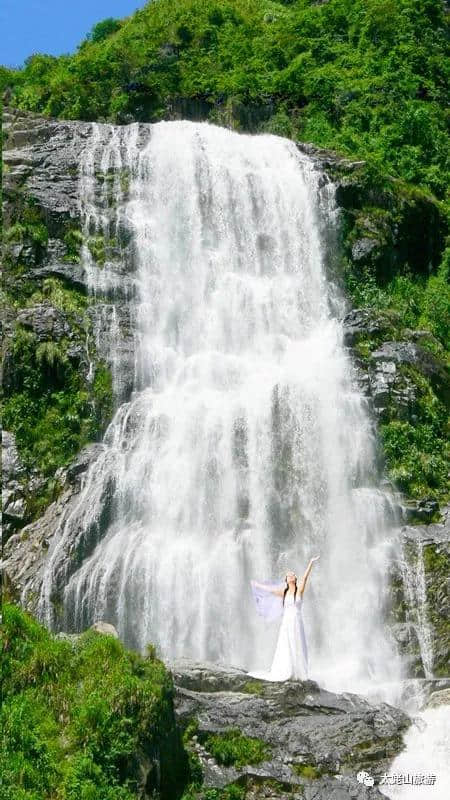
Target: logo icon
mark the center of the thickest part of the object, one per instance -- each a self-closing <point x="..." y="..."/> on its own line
<point x="365" y="778"/>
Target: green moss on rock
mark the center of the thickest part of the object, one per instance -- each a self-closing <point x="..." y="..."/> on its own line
<point x="60" y="294"/>
<point x="73" y="239"/>
<point x="308" y="771"/>
<point x="48" y="405"/>
<point x="417" y="450"/>
<point x="437" y="569"/>
<point x="253" y="687"/>
<point x="232" y="747"/>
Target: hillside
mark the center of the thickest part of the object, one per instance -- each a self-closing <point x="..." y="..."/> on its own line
<point x="363" y="78"/>
<point x="84" y="718"/>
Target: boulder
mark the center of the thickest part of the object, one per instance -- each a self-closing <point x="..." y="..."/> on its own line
<point x="441" y="698"/>
<point x="364" y="322"/>
<point x="46" y="322"/>
<point x="316" y="741"/>
<point x="411" y="354"/>
<point x="106" y="628"/>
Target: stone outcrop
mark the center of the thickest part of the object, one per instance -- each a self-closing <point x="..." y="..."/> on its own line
<point x="405" y="378"/>
<point x="383" y="378"/>
<point x="315" y="741"/>
<point x="440" y="698"/>
<point x="14" y="508"/>
<point x="106" y="628"/>
<point x="25" y="552"/>
<point x="41" y="184"/>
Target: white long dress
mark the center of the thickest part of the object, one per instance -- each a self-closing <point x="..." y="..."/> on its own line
<point x="290" y="660"/>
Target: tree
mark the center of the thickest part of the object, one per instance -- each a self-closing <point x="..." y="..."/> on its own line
<point x="103" y="29"/>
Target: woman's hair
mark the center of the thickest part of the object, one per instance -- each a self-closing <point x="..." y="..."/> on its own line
<point x="287" y="589"/>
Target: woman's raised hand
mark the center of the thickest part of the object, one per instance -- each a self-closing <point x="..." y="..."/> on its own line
<point x="314" y="558"/>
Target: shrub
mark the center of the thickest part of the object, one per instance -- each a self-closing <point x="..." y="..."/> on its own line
<point x="74" y="715"/>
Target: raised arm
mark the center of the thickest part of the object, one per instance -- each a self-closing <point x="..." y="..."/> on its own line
<point x="302" y="584"/>
<point x="272" y="589"/>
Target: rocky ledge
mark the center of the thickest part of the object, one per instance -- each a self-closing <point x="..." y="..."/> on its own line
<point x="278" y="739"/>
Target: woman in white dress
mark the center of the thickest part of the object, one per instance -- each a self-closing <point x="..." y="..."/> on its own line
<point x="290" y="661"/>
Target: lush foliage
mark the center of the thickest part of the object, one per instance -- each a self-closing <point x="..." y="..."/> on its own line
<point x="231" y="792"/>
<point x="416" y="449"/>
<point x="233" y="748"/>
<point x="419" y="301"/>
<point x="75" y="715"/>
<point x="365" y="77"/>
<point x="417" y="453"/>
<point x="47" y="404"/>
<point x="103" y="29"/>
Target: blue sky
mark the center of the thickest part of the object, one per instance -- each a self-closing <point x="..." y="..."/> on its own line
<point x="52" y="26"/>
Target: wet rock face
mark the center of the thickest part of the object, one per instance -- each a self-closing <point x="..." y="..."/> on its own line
<point x="316" y="741"/>
<point x="384" y="377"/>
<point x="13" y="489"/>
<point x="45" y="321"/>
<point x="26" y="551"/>
<point x="384" y="374"/>
<point x="43" y="154"/>
<point x="420" y="597"/>
<point x="42" y="219"/>
<point x="405" y="378"/>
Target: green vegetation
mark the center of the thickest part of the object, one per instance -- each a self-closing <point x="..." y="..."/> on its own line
<point x="73" y="239"/>
<point x="307" y="771"/>
<point x="103" y="29"/>
<point x="55" y="292"/>
<point x="233" y="748"/>
<point x="417" y="454"/>
<point x="364" y="77"/>
<point x="76" y="715"/>
<point x="418" y="301"/>
<point x="228" y="748"/>
<point x="253" y="687"/>
<point x="232" y="792"/>
<point x="416" y="448"/>
<point x="28" y="231"/>
<point x="47" y="403"/>
<point x="437" y="564"/>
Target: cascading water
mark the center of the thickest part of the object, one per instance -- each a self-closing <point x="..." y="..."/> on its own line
<point x="413" y="570"/>
<point x="246" y="446"/>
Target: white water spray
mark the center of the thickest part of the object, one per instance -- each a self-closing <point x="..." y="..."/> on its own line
<point x="246" y="446"/>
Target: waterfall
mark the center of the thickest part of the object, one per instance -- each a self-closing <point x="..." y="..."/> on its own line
<point x="413" y="574"/>
<point x="245" y="446"/>
<point x="425" y="759"/>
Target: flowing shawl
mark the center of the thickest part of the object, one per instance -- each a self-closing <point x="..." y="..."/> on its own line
<point x="268" y="605"/>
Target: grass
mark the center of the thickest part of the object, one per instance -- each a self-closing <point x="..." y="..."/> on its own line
<point x="75" y="716"/>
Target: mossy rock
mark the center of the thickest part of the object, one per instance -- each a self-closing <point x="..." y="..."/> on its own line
<point x="233" y="748"/>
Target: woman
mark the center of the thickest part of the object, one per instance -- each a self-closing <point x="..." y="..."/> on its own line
<point x="290" y="661"/>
